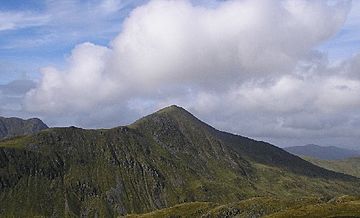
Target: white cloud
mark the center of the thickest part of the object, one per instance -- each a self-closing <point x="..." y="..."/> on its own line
<point x="247" y="66"/>
<point x="168" y="40"/>
<point x="18" y="20"/>
<point x="80" y="88"/>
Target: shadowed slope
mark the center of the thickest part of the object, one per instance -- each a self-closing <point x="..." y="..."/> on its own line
<point x="163" y="159"/>
<point x="10" y="127"/>
<point x="258" y="151"/>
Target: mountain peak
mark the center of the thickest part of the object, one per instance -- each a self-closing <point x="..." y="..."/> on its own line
<point x="172" y="112"/>
<point x="163" y="159"/>
<point x="13" y="126"/>
<point x="172" y="109"/>
<point x="174" y="115"/>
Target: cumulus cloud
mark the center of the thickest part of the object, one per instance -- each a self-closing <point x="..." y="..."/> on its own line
<point x="246" y="66"/>
<point x="175" y="41"/>
<point x="84" y="84"/>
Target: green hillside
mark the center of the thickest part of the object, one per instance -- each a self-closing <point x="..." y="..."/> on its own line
<point x="322" y="152"/>
<point x="344" y="206"/>
<point x="162" y="160"/>
<point x="349" y="166"/>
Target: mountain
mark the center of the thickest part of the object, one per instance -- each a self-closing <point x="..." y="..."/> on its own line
<point x="162" y="160"/>
<point x="350" y="166"/>
<point x="10" y="127"/>
<point x="322" y="152"/>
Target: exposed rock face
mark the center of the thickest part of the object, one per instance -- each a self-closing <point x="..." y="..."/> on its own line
<point x="10" y="127"/>
<point x="161" y="160"/>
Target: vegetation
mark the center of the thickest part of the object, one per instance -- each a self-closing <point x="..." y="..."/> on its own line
<point x="165" y="159"/>
<point x="348" y="207"/>
<point x="344" y="206"/>
<point x="16" y="142"/>
<point x="349" y="166"/>
<point x="323" y="152"/>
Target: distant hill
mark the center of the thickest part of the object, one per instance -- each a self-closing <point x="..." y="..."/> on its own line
<point x="10" y="127"/>
<point x="167" y="158"/>
<point x="349" y="166"/>
<point x="322" y="152"/>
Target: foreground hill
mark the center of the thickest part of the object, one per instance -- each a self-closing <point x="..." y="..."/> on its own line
<point x="322" y="152"/>
<point x="164" y="159"/>
<point x="10" y="127"/>
<point x="344" y="206"/>
<point x="349" y="166"/>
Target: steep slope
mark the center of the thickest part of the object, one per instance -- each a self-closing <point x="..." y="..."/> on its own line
<point x="322" y="152"/>
<point x="350" y="166"/>
<point x="10" y="127"/>
<point x="164" y="159"/>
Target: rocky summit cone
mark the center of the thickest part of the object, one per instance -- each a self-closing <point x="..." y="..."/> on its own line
<point x="161" y="160"/>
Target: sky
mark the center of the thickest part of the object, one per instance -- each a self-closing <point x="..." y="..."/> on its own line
<point x="282" y="71"/>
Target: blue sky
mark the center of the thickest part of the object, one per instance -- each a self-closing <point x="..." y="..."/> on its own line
<point x="45" y="31"/>
<point x="346" y="42"/>
<point x="40" y="38"/>
<point x="34" y="34"/>
<point x="267" y="56"/>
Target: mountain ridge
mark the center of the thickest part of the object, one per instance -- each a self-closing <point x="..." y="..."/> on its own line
<point x="163" y="159"/>
<point x="13" y="126"/>
<point x="174" y="110"/>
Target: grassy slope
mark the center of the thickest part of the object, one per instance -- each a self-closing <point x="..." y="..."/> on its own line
<point x="160" y="161"/>
<point x="263" y="207"/>
<point x="17" y="142"/>
<point x="109" y="172"/>
<point x="322" y="152"/>
<point x="349" y="166"/>
<point x="340" y="207"/>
